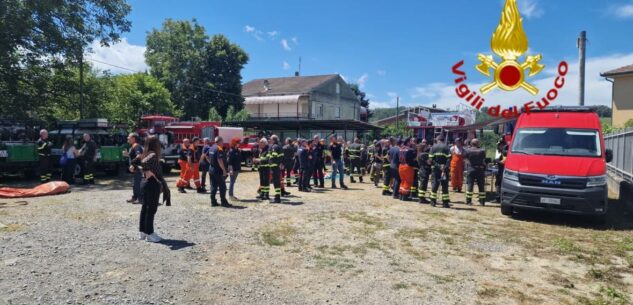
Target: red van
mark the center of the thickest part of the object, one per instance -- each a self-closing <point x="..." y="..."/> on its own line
<point x="557" y="162"/>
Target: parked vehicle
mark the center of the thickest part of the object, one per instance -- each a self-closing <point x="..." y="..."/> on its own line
<point x="248" y="148"/>
<point x="18" y="151"/>
<point x="557" y="162"/>
<point x="111" y="140"/>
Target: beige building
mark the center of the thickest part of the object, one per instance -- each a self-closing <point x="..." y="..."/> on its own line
<point x="622" y="99"/>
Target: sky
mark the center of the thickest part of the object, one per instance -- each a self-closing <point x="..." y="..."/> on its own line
<point x="397" y="48"/>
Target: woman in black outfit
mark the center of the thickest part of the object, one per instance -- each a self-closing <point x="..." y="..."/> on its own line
<point x="151" y="187"/>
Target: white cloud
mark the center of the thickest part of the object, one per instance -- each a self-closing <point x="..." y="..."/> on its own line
<point x="531" y="9"/>
<point x="285" y="45"/>
<point x="273" y="34"/>
<point x="623" y="11"/>
<point x="295" y="40"/>
<point x="121" y="54"/>
<point x="286" y="65"/>
<point x="257" y="34"/>
<point x="381" y="72"/>
<point x="362" y="80"/>
<point x="389" y="103"/>
<point x="597" y="89"/>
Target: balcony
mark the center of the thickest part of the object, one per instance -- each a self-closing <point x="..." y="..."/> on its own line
<point x="282" y="116"/>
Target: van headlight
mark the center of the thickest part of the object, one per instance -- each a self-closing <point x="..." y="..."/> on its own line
<point x="511" y="175"/>
<point x="597" y="181"/>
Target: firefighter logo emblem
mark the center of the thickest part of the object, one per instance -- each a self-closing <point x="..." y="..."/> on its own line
<point x="510" y="42"/>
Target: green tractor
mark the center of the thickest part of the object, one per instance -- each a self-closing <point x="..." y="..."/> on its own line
<point x="111" y="140"/>
<point x="18" y="151"/>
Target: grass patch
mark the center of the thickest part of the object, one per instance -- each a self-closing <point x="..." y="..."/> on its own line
<point x="441" y="279"/>
<point x="333" y="262"/>
<point x="409" y="233"/>
<point x="609" y="276"/>
<point x="278" y="235"/>
<point x="606" y="296"/>
<point x="566" y="246"/>
<point x="370" y="224"/>
<point x="12" y="227"/>
<point x="488" y="292"/>
<point x="400" y="286"/>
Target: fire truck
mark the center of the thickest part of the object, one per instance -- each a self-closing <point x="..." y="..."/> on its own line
<point x="172" y="132"/>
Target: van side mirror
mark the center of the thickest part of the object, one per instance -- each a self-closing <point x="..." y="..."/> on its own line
<point x="609" y="155"/>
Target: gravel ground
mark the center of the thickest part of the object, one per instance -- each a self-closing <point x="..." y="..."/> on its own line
<point x="326" y="247"/>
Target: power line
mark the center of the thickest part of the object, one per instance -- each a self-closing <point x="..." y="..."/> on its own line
<point x="136" y="71"/>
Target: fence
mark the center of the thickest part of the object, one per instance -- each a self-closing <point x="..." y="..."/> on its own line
<point x="621" y="143"/>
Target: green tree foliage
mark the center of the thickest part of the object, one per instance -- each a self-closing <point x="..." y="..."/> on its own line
<point x="604" y="111"/>
<point x="199" y="72"/>
<point x="40" y="37"/>
<point x="400" y="131"/>
<point x="236" y="116"/>
<point x="135" y="94"/>
<point x="214" y="115"/>
<point x="383" y="113"/>
<point x="362" y="97"/>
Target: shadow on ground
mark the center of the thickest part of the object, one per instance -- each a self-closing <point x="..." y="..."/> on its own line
<point x="175" y="244"/>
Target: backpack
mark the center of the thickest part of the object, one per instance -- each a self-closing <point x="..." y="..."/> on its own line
<point x="63" y="160"/>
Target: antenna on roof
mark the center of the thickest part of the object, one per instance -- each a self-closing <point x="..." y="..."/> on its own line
<point x="298" y="73"/>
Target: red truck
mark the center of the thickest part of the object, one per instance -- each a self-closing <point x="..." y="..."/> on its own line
<point x="557" y="163"/>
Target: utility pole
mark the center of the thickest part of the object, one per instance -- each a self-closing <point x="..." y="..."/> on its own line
<point x="397" y="112"/>
<point x="81" y="84"/>
<point x="582" y="51"/>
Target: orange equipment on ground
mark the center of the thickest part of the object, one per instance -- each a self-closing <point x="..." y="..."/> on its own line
<point x="406" y="179"/>
<point x="51" y="188"/>
<point x="457" y="170"/>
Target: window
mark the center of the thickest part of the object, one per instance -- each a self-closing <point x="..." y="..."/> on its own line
<point x="337" y="112"/>
<point x="557" y="142"/>
<point x="338" y="89"/>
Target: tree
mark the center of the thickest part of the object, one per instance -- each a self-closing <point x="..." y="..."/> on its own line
<point x="37" y="37"/>
<point x="604" y="111"/>
<point x="400" y="131"/>
<point x="236" y="116"/>
<point x="199" y="72"/>
<point x="362" y="97"/>
<point x="135" y="94"/>
<point x="214" y="115"/>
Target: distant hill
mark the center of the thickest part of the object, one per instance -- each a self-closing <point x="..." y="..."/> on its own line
<point x="383" y="113"/>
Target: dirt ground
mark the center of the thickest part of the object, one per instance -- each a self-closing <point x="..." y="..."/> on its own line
<point x="326" y="247"/>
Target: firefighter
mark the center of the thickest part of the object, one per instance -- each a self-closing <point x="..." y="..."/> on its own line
<point x="440" y="157"/>
<point x="44" y="146"/>
<point x="364" y="160"/>
<point x="457" y="166"/>
<point x="88" y="153"/>
<point x="218" y="172"/>
<point x="194" y="168"/>
<point x="386" y="166"/>
<point x="304" y="166"/>
<point x="406" y="169"/>
<point x="424" y="171"/>
<point x="376" y="163"/>
<point x="412" y="160"/>
<point x="296" y="167"/>
<point x="184" y="160"/>
<point x="264" y="170"/>
<point x="476" y="172"/>
<point x="394" y="163"/>
<point x="319" y="162"/>
<point x="502" y="152"/>
<point x="355" y="160"/>
<point x="289" y="152"/>
<point x="204" y="163"/>
<point x="275" y="159"/>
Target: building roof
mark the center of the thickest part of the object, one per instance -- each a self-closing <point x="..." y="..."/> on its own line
<point x="294" y="124"/>
<point x="626" y="70"/>
<point x="285" y="85"/>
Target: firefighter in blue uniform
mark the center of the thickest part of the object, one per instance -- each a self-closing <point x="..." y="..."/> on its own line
<point x="218" y="172"/>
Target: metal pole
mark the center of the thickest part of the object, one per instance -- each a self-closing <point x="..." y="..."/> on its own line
<point x="81" y="84"/>
<point x="582" y="44"/>
<point x="397" y="112"/>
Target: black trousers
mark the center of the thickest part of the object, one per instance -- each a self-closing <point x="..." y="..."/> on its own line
<point x="387" y="176"/>
<point x="264" y="179"/>
<point x="151" y="194"/>
<point x="45" y="168"/>
<point x="218" y="183"/>
<point x="476" y="176"/>
<point x="68" y="171"/>
<point x="276" y="173"/>
<point x="297" y="169"/>
<point x="356" y="169"/>
<point x="423" y="176"/>
<point x="498" y="180"/>
<point x="437" y="181"/>
<point x="396" y="182"/>
<point x="287" y="172"/>
<point x="414" y="185"/>
<point x="89" y="171"/>
<point x="204" y="170"/>
<point x="306" y="174"/>
<point x="317" y="174"/>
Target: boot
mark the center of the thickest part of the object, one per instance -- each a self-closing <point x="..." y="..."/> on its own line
<point x="201" y="190"/>
<point x="387" y="193"/>
<point x="182" y="190"/>
<point x="277" y="199"/>
<point x="214" y="203"/>
<point x="284" y="193"/>
<point x="361" y="179"/>
<point x="423" y="200"/>
<point x="469" y="202"/>
<point x="288" y="184"/>
<point x="267" y="196"/>
<point x="445" y="204"/>
<point x="433" y="202"/>
<point x="482" y="202"/>
<point x="225" y="203"/>
<point x="343" y="186"/>
<point x="334" y="184"/>
<point x="352" y="180"/>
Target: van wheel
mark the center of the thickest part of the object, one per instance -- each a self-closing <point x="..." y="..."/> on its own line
<point x="249" y="162"/>
<point x="506" y="210"/>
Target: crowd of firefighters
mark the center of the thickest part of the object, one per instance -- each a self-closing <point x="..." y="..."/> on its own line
<point x="403" y="167"/>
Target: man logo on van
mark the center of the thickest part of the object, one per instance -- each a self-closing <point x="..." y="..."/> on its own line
<point x="509" y="42"/>
<point x="551" y="180"/>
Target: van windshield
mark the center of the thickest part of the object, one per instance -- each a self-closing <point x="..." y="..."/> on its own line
<point x="557" y="142"/>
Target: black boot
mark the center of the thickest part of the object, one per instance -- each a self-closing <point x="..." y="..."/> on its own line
<point x="214" y="203"/>
<point x="433" y="202"/>
<point x="284" y="193"/>
<point x="352" y="180"/>
<point x="361" y="179"/>
<point x="201" y="190"/>
<point x="469" y="202"/>
<point x="225" y="203"/>
<point x="288" y="184"/>
<point x="445" y="204"/>
<point x="334" y="184"/>
<point x="182" y="190"/>
<point x="387" y="193"/>
<point x="343" y="186"/>
<point x="423" y="200"/>
<point x="267" y="196"/>
<point x="277" y="199"/>
<point x="482" y="202"/>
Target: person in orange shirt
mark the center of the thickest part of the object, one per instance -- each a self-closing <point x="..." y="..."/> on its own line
<point x="194" y="169"/>
<point x="457" y="165"/>
<point x="184" y="160"/>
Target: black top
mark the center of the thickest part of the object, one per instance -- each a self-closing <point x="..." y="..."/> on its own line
<point x="410" y="158"/>
<point x="289" y="152"/>
<point x="318" y="151"/>
<point x="184" y="152"/>
<point x="337" y="151"/>
<point x="89" y="150"/>
<point x="394" y="156"/>
<point x="304" y="157"/>
<point x="423" y="157"/>
<point x="476" y="158"/>
<point x="440" y="155"/>
<point x="150" y="163"/>
<point x="44" y="147"/>
<point x="235" y="159"/>
<point x="135" y="151"/>
<point x="275" y="155"/>
<point x="264" y="156"/>
<point x="197" y="153"/>
<point x="216" y="153"/>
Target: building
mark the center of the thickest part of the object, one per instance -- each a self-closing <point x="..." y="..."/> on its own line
<point x="403" y="115"/>
<point x="622" y="96"/>
<point x="302" y="106"/>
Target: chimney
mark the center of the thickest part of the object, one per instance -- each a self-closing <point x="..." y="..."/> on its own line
<point x="266" y="85"/>
<point x="296" y="73"/>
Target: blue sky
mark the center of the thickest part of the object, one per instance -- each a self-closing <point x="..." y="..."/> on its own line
<point x="403" y="48"/>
